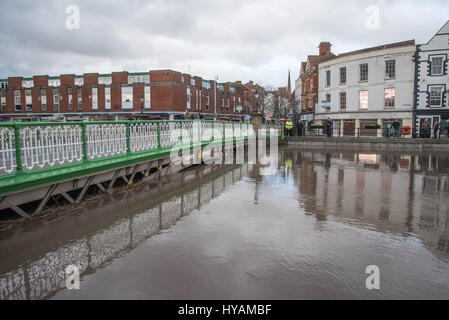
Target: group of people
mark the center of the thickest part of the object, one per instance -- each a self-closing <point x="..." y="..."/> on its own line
<point x="426" y="129"/>
<point x="298" y="126"/>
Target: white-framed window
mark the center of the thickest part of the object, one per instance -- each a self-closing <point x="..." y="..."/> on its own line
<point x="343" y="75"/>
<point x="343" y="100"/>
<point x="328" y="78"/>
<point x="364" y="72"/>
<point x="390" y="97"/>
<point x="54" y="83"/>
<point x="105" y="80"/>
<point x="146" y="79"/>
<point x="44" y="100"/>
<point x="80" y="100"/>
<point x="147" y="97"/>
<point x="127" y="98"/>
<point x="17" y="101"/>
<point x="436" y="66"/>
<point x="27" y="83"/>
<point x="3" y="99"/>
<point x="56" y="100"/>
<point x="94" y="98"/>
<point x="28" y="100"/>
<point x="139" y="79"/>
<point x="363" y="99"/>
<point x="79" y="81"/>
<point x="435" y="96"/>
<point x="192" y="81"/>
<point x="3" y="84"/>
<point x="206" y="84"/>
<point x="70" y="97"/>
<point x="188" y="98"/>
<point x="390" y="69"/>
<point x="107" y="98"/>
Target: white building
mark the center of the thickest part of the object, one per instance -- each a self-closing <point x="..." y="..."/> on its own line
<point x="432" y="79"/>
<point x="298" y="94"/>
<point x="368" y="87"/>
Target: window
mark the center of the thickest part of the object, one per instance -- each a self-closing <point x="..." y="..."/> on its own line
<point x="28" y="101"/>
<point x="80" y="100"/>
<point x="70" y="96"/>
<point x="342" y="100"/>
<point x="390" y="94"/>
<point x="207" y="100"/>
<point x="192" y="81"/>
<point x="43" y="100"/>
<point x="436" y="66"/>
<point x="436" y="96"/>
<point x="364" y="99"/>
<point x="188" y="98"/>
<point x="27" y="83"/>
<point x="94" y="98"/>
<point x="4" y="84"/>
<point x="107" y="98"/>
<point x="54" y="83"/>
<point x="343" y="75"/>
<point x="364" y="72"/>
<point x="328" y="78"/>
<point x="56" y="100"/>
<point x="127" y="97"/>
<point x="390" y="69"/>
<point x="206" y="85"/>
<point x="328" y="97"/>
<point x="3" y="100"/>
<point x="79" y="81"/>
<point x="148" y="97"/>
<point x="105" y="80"/>
<point x="17" y="101"/>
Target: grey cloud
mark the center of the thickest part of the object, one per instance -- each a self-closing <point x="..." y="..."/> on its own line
<point x="253" y="39"/>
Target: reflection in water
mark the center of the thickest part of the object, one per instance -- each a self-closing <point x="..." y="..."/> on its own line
<point x="309" y="231"/>
<point x="43" y="277"/>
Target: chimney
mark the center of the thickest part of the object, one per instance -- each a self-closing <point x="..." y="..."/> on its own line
<point x="325" y="48"/>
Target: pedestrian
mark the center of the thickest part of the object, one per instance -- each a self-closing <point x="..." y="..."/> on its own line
<point x="396" y="126"/>
<point x="328" y="125"/>
<point x="187" y="115"/>
<point x="289" y="127"/>
<point x="300" y="128"/>
<point x="436" y="130"/>
<point x="425" y="129"/>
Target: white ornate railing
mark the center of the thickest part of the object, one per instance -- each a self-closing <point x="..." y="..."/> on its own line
<point x="7" y="151"/>
<point x="143" y="136"/>
<point x="44" y="145"/>
<point x="272" y="129"/>
<point x="50" y="146"/>
<point x="105" y="140"/>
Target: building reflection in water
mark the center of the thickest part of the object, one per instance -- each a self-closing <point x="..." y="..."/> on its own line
<point x="403" y="193"/>
<point x="43" y="277"/>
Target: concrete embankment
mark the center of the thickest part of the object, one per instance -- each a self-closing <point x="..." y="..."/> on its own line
<point x="371" y="143"/>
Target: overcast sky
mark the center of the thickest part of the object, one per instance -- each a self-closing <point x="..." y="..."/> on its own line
<point x="244" y="40"/>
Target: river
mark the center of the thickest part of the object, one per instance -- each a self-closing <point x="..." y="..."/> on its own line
<point x="307" y="231"/>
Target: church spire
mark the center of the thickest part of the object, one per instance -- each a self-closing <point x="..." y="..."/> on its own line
<point x="289" y="88"/>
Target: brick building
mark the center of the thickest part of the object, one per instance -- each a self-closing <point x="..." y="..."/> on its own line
<point x="309" y="80"/>
<point x="121" y="95"/>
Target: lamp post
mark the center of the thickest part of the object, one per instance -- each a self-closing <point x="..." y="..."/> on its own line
<point x="141" y="104"/>
<point x="256" y="96"/>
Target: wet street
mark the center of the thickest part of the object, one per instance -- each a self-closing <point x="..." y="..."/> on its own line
<point x="232" y="232"/>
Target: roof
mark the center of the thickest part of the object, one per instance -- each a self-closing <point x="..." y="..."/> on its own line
<point x="382" y="47"/>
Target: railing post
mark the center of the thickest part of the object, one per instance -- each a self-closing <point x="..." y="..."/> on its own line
<point x="282" y="131"/>
<point x="19" y="168"/>
<point x="180" y="131"/>
<point x="213" y="131"/>
<point x="128" y="137"/>
<point x="159" y="134"/>
<point x="84" y="137"/>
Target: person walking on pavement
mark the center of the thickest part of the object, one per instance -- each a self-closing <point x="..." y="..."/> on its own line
<point x="328" y="125"/>
<point x="396" y="125"/>
<point x="300" y="128"/>
<point x="425" y="127"/>
<point x="289" y="127"/>
<point x="436" y="130"/>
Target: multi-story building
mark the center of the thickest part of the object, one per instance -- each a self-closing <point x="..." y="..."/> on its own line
<point x="368" y="88"/>
<point x="432" y="79"/>
<point x="119" y="95"/>
<point x="309" y="80"/>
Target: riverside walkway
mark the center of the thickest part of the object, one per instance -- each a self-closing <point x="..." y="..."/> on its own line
<point x="40" y="160"/>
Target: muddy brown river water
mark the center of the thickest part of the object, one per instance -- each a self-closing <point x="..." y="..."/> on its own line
<point x="308" y="231"/>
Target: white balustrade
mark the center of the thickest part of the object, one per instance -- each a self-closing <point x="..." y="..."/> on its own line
<point x="105" y="140"/>
<point x="143" y="136"/>
<point x="229" y="134"/>
<point x="45" y="146"/>
<point x="170" y="134"/>
<point x="7" y="151"/>
<point x="206" y="131"/>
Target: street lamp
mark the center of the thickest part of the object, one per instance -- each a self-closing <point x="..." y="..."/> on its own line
<point x="256" y="96"/>
<point x="141" y="104"/>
